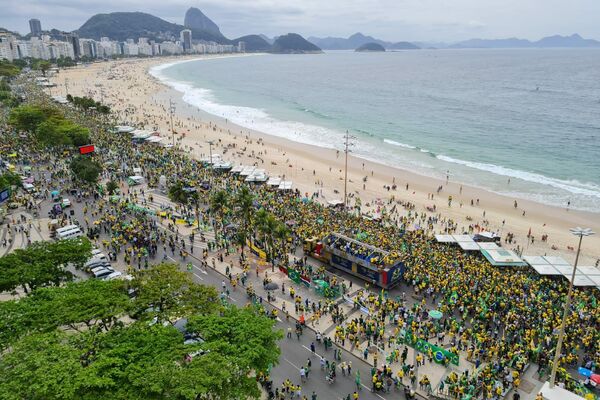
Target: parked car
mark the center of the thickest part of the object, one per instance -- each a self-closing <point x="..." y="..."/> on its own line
<point x="113" y="275"/>
<point x="65" y="203"/>
<point x="103" y="272"/>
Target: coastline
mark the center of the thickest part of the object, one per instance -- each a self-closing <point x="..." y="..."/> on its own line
<point x="148" y="106"/>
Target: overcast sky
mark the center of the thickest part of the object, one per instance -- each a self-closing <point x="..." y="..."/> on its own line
<point x="443" y="20"/>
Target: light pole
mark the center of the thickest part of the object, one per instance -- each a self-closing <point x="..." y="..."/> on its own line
<point x="347" y="144"/>
<point x="210" y="160"/>
<point x="581" y="232"/>
<point x="171" y="110"/>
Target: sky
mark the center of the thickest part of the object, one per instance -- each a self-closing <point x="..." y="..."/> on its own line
<point x="393" y="20"/>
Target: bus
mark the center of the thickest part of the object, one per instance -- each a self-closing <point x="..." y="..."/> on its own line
<point x="68" y="232"/>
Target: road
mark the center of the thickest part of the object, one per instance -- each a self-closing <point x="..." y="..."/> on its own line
<point x="294" y="352"/>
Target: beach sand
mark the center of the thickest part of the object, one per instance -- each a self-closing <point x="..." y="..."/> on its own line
<point x="138" y="98"/>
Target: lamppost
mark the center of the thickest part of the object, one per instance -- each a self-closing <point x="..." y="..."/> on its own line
<point x="210" y="160"/>
<point x="581" y="232"/>
<point x="171" y="111"/>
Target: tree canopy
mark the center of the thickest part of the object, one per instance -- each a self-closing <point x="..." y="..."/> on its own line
<point x="42" y="264"/>
<point x="97" y="353"/>
<point x="85" y="169"/>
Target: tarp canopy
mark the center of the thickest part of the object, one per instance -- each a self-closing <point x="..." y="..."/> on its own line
<point x="503" y="258"/>
<point x="445" y="239"/>
<point x="274" y="181"/>
<point x="285" y="185"/>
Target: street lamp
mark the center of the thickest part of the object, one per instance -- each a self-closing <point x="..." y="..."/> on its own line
<point x="210" y="160"/>
<point x="581" y="232"/>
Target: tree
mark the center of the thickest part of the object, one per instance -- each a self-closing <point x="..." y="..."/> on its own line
<point x="219" y="202"/>
<point x="26" y="117"/>
<point x="44" y="66"/>
<point x="111" y="187"/>
<point x="85" y="169"/>
<point x="179" y="193"/>
<point x="8" y="69"/>
<point x="244" y="203"/>
<point x="9" y="179"/>
<point x="42" y="264"/>
<point x="245" y="342"/>
<point x="167" y="294"/>
<point x="79" y="306"/>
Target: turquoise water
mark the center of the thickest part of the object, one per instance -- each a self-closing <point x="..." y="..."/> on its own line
<point x="483" y="115"/>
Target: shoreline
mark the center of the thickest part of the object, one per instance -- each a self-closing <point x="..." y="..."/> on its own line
<point x="282" y="156"/>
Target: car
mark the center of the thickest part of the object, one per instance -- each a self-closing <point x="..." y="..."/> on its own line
<point x="100" y="268"/>
<point x="103" y="272"/>
<point x="113" y="275"/>
<point x="97" y="264"/>
<point x="65" y="203"/>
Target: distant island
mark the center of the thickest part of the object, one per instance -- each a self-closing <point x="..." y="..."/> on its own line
<point x="370" y="47"/>
<point x="292" y="43"/>
<point x="358" y="39"/>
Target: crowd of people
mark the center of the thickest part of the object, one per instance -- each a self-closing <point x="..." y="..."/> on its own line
<point x="501" y="320"/>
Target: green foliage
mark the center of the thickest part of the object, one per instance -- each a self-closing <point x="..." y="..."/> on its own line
<point x="79" y="306"/>
<point x="9" y="179"/>
<point x="63" y="62"/>
<point x="85" y="169"/>
<point x="167" y="294"/>
<point x="244" y="342"/>
<point x="179" y="194"/>
<point x="42" y="65"/>
<point x="27" y="117"/>
<point x="42" y="264"/>
<point x="8" y="69"/>
<point x="57" y="131"/>
<point x="111" y="187"/>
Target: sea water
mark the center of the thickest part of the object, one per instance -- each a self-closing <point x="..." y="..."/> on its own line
<point x="525" y="122"/>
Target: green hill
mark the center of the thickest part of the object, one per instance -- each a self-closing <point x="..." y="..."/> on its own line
<point x="133" y="25"/>
<point x="292" y="43"/>
<point x="254" y="43"/>
<point x="370" y="47"/>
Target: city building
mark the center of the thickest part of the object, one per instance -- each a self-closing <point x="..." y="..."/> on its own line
<point x="8" y="46"/>
<point x="186" y="40"/>
<point x="35" y="26"/>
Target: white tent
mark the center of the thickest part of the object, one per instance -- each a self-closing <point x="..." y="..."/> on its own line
<point x="285" y="185"/>
<point x="274" y="181"/>
<point x="445" y="239"/>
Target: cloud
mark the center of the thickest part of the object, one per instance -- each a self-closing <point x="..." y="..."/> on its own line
<point x="388" y="19"/>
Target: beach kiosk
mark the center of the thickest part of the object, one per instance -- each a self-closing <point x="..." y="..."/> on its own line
<point x="374" y="265"/>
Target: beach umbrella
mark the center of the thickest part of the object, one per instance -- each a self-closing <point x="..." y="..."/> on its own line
<point x="271" y="286"/>
<point x="585" y="372"/>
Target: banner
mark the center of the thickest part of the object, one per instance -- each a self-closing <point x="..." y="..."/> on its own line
<point x="439" y="353"/>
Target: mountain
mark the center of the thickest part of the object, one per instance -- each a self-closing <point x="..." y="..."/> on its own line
<point x="491" y="43"/>
<point x="566" y="41"/>
<point x="292" y="43"/>
<point x="195" y="19"/>
<point x="551" y="41"/>
<point x="266" y="38"/>
<point x="254" y="43"/>
<point x="133" y="25"/>
<point x="370" y="47"/>
<point x="355" y="41"/>
<point x="403" y="46"/>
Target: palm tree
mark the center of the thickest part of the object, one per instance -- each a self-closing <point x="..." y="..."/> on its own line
<point x="219" y="202"/>
<point x="111" y="186"/>
<point x="244" y="206"/>
<point x="281" y="233"/>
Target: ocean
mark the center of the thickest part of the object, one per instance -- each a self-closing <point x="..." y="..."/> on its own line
<point x="524" y="123"/>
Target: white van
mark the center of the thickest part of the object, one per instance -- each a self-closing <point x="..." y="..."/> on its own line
<point x="68" y="232"/>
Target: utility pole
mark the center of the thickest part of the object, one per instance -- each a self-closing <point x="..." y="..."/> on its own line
<point x="347" y="144"/>
<point x="171" y="110"/>
<point x="210" y="160"/>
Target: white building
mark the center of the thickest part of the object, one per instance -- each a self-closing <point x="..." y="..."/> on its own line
<point x="8" y="46"/>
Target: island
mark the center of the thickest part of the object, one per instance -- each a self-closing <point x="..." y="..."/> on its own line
<point x="370" y="47"/>
<point x="292" y="43"/>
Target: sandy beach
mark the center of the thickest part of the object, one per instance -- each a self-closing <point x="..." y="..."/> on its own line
<point x="139" y="99"/>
